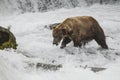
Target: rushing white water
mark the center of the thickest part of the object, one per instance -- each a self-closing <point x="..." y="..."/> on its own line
<point x="7" y="72"/>
<point x="35" y="46"/>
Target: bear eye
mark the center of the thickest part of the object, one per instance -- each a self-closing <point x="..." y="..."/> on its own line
<point x="55" y="36"/>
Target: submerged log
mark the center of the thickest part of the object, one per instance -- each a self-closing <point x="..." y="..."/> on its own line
<point x="48" y="66"/>
<point x="97" y="69"/>
<point x="94" y="69"/>
<point x="7" y="39"/>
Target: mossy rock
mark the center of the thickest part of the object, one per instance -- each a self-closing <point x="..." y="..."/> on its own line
<point x="11" y="42"/>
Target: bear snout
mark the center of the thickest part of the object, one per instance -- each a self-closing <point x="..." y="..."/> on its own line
<point x="55" y="43"/>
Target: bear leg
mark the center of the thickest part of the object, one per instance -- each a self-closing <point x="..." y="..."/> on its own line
<point x="101" y="42"/>
<point x="65" y="41"/>
<point x="77" y="43"/>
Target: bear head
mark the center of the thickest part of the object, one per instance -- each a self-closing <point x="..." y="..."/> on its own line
<point x="59" y="33"/>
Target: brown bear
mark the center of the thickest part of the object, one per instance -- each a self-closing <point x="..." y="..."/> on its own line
<point x="80" y="30"/>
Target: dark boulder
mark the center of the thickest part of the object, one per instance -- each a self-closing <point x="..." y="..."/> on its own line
<point x="7" y="39"/>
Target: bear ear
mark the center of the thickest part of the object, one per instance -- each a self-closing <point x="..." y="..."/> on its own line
<point x="53" y="27"/>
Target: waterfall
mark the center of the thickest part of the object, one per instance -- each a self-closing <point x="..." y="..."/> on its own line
<point x="22" y="6"/>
